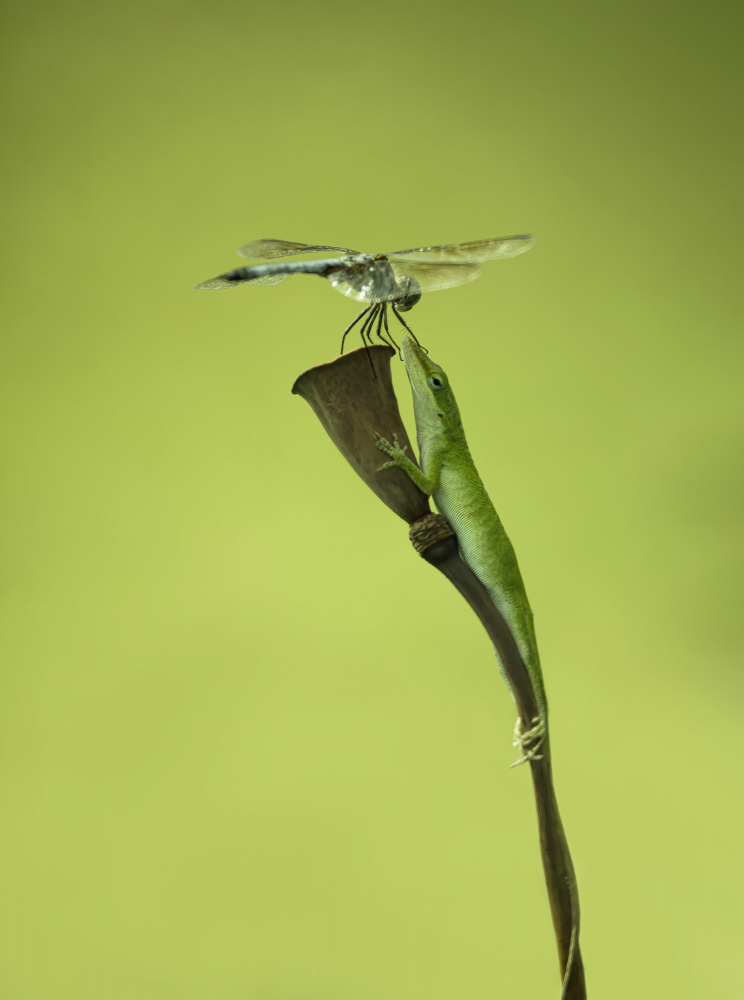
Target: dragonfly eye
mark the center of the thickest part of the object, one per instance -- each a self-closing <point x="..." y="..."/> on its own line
<point x="409" y="291"/>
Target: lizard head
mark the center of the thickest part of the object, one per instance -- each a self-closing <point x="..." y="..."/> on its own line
<point x="433" y="400"/>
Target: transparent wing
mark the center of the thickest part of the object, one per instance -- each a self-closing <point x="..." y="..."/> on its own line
<point x="431" y="277"/>
<point x="222" y="282"/>
<point x="369" y="281"/>
<point x="267" y="249"/>
<point x="478" y="251"/>
<point x="377" y="280"/>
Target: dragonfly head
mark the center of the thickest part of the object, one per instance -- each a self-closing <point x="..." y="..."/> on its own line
<point x="407" y="292"/>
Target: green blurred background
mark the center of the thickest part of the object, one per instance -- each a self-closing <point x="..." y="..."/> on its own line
<point x="252" y="747"/>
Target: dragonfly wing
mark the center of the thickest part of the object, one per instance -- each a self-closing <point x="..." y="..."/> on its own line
<point x="431" y="276"/>
<point x="267" y="249"/>
<point x="223" y="282"/>
<point x="357" y="285"/>
<point x="478" y="251"/>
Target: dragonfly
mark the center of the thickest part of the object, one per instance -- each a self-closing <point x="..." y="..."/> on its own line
<point x="395" y="279"/>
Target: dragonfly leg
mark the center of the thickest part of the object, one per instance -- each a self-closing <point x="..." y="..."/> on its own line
<point x="366" y="336"/>
<point x="382" y="315"/>
<point x="369" y="323"/>
<point x="351" y="326"/>
<point x="387" y="329"/>
<point x="401" y="320"/>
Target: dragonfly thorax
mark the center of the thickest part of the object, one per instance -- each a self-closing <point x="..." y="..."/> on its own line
<point x="373" y="279"/>
<point x="367" y="279"/>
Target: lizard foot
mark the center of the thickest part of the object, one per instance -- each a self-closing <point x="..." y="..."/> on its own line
<point x="394" y="450"/>
<point x="529" y="741"/>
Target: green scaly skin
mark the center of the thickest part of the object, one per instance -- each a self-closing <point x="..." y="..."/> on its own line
<point x="449" y="476"/>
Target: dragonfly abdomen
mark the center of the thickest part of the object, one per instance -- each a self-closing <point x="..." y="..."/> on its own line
<point x="253" y="271"/>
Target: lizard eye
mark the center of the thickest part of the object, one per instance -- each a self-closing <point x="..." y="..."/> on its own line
<point x="436" y="382"/>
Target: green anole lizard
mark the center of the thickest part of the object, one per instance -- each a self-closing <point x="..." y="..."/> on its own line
<point x="449" y="476"/>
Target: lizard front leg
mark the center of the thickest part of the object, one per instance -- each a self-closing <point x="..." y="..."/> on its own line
<point x="401" y="461"/>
